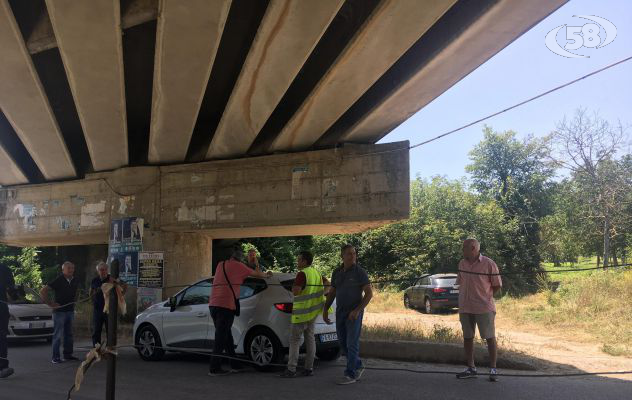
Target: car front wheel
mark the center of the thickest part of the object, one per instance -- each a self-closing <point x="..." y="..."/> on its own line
<point x="148" y="344"/>
<point x="407" y="302"/>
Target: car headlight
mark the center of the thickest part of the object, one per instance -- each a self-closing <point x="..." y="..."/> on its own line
<point x="12" y="317"/>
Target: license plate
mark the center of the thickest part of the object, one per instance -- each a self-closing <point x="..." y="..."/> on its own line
<point x="37" y="325"/>
<point x="454" y="291"/>
<point x="328" y="337"/>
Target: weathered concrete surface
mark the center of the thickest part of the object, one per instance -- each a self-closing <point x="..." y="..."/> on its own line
<point x="181" y="72"/>
<point x="89" y="39"/>
<point x="187" y="257"/>
<point x="10" y="173"/>
<point x="25" y="105"/>
<point x="329" y="191"/>
<point x="288" y="33"/>
<point x="392" y="28"/>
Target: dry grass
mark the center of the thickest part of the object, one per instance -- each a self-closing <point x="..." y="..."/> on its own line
<point x="387" y="301"/>
<point x="409" y="331"/>
<point x="597" y="305"/>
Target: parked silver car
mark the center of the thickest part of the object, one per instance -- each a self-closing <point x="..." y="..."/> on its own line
<point x="261" y="332"/>
<point x="30" y="319"/>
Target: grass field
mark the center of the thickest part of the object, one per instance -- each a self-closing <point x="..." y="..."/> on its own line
<point x="594" y="306"/>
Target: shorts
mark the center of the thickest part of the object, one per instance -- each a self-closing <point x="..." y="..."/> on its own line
<point x="485" y="323"/>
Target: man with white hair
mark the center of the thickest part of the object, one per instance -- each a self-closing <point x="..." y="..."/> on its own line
<point x="478" y="281"/>
<point x="65" y="287"/>
<point x="99" y="318"/>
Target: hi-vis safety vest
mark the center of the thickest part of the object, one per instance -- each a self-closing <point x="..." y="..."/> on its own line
<point x="310" y="302"/>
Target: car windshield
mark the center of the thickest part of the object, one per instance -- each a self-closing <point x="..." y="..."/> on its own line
<point x="445" y="282"/>
<point x="26" y="296"/>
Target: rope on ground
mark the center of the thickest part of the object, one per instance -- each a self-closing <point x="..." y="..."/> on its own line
<point x="257" y="364"/>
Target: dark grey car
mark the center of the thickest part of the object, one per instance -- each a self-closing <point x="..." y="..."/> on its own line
<point x="433" y="292"/>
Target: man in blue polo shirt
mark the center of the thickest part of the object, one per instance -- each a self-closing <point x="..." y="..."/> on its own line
<point x="351" y="288"/>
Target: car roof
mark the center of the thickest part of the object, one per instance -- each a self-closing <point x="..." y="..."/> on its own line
<point x="443" y="276"/>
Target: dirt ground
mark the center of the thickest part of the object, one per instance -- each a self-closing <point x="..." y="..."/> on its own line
<point x="555" y="351"/>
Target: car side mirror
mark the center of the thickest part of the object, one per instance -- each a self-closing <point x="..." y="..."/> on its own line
<point x="172" y="304"/>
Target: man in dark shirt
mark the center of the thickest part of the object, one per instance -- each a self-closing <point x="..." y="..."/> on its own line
<point x="7" y="286"/>
<point x="99" y="318"/>
<point x="65" y="287"/>
<point x="351" y="288"/>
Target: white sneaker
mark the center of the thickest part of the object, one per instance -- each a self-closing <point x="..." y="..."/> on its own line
<point x="359" y="373"/>
<point x="346" y="380"/>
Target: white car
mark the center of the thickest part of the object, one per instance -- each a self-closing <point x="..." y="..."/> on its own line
<point x="261" y="332"/>
<point x="30" y="319"/>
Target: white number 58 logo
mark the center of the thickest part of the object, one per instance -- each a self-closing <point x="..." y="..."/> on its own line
<point x="582" y="36"/>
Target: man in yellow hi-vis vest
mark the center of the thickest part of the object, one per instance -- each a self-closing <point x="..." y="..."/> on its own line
<point x="309" y="298"/>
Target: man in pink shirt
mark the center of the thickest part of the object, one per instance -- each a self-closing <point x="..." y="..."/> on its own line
<point x="478" y="281"/>
<point x="222" y="306"/>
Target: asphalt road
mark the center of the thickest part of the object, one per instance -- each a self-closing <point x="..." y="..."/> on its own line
<point x="184" y="377"/>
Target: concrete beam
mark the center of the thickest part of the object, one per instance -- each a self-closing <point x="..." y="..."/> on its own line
<point x="501" y="25"/>
<point x="392" y="28"/>
<point x="10" y="173"/>
<point x="138" y="12"/>
<point x="330" y="191"/>
<point x="288" y="33"/>
<point x="89" y="39"/>
<point x="24" y="103"/>
<point x="181" y="72"/>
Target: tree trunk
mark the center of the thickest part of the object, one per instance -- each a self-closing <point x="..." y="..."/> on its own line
<point x="606" y="241"/>
<point x="598" y="261"/>
<point x="615" y="262"/>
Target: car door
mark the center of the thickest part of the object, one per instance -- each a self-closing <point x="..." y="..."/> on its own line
<point x="414" y="297"/>
<point x="188" y="324"/>
<point x="424" y="289"/>
<point x="247" y="306"/>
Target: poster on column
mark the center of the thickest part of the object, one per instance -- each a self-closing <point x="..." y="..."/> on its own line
<point x="126" y="240"/>
<point x="147" y="297"/>
<point x="151" y="269"/>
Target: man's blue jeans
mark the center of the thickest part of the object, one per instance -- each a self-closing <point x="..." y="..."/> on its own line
<point x="62" y="323"/>
<point x="349" y="338"/>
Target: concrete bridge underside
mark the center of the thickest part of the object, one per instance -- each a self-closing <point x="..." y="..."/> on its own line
<point x="343" y="190"/>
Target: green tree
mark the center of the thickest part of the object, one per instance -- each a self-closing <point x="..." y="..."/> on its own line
<point x="516" y="175"/>
<point x="588" y="147"/>
<point x="24" y="264"/>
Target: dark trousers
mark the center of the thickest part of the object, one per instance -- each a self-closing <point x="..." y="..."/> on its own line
<point x="349" y="339"/>
<point x="99" y="319"/>
<point x="4" y="331"/>
<point x="223" y="320"/>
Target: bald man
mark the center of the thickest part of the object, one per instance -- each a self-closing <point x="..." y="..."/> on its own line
<point x="478" y="281"/>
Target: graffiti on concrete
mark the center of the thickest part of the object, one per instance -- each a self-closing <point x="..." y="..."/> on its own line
<point x="27" y="212"/>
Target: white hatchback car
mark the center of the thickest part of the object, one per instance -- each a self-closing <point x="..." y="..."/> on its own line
<point x="30" y="319"/>
<point x="261" y="332"/>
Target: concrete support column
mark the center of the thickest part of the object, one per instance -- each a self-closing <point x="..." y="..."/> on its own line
<point x="188" y="257"/>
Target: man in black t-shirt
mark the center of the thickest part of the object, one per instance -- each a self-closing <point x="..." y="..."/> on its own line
<point x="7" y="286"/>
<point x="99" y="318"/>
<point x="65" y="287"/>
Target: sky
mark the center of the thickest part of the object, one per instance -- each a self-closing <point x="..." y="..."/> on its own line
<point x="521" y="70"/>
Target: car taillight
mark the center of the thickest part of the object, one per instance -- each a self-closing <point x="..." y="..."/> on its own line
<point x="439" y="290"/>
<point x="284" y="307"/>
